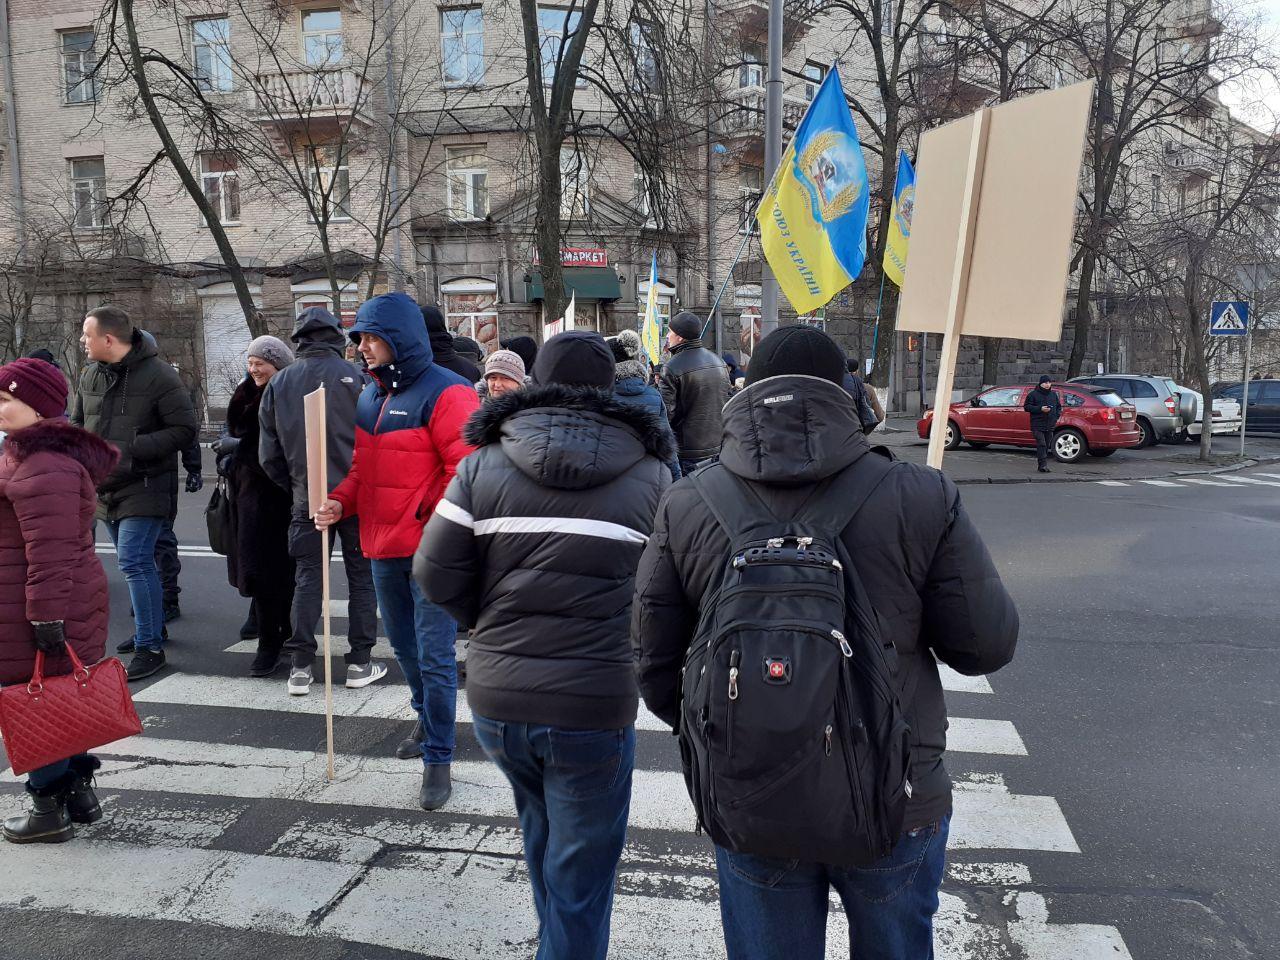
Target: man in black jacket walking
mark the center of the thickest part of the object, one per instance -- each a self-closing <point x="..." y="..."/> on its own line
<point x="443" y="352"/>
<point x="534" y="547"/>
<point x="1045" y="409"/>
<point x="695" y="385"/>
<point x="282" y="450"/>
<point x="928" y="576"/>
<point x="130" y="397"/>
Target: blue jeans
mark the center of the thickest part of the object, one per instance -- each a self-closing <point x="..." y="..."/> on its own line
<point x="573" y="794"/>
<point x="42" y="777"/>
<point x="777" y="909"/>
<point x="135" y="540"/>
<point x="422" y="636"/>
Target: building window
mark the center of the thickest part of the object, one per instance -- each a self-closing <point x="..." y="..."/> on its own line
<point x="462" y="46"/>
<point x="89" y="192"/>
<point x="751" y="74"/>
<point x="1155" y="191"/>
<point x="79" y="67"/>
<point x="322" y="37"/>
<point x="221" y="185"/>
<point x="466" y="176"/>
<point x="556" y="28"/>
<point x="814" y="74"/>
<point x="575" y="180"/>
<point x="645" y="52"/>
<point x="471" y="310"/>
<point x="331" y="185"/>
<point x="750" y="188"/>
<point x="211" y="52"/>
<point x="642" y="189"/>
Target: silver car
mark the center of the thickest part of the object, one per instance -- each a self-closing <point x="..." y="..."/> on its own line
<point x="1164" y="411"/>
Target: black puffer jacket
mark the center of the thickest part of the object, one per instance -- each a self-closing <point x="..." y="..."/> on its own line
<point x="443" y="353"/>
<point x="1036" y="399"/>
<point x="535" y="547"/>
<point x="141" y="407"/>
<point x="924" y="567"/>
<point x="282" y="449"/>
<point x="695" y="385"/>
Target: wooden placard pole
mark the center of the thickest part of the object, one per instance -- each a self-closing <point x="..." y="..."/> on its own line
<point x="316" y="415"/>
<point x="959" y="288"/>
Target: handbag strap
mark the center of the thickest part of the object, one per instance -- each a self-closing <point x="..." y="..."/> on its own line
<point x="78" y="669"/>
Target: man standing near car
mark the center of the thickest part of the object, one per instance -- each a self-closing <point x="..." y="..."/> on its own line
<point x="1045" y="409"/>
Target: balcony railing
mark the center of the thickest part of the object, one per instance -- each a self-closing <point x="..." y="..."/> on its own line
<point x="746" y="115"/>
<point x="1189" y="160"/>
<point x="317" y="93"/>
<point x="752" y="16"/>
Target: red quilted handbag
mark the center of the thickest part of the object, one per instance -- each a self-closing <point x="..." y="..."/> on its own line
<point x="48" y="720"/>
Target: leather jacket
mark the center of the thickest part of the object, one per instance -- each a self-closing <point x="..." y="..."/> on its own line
<point x="695" y="387"/>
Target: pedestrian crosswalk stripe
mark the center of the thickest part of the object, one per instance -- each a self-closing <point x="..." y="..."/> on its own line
<point x="337" y="646"/>
<point x="959" y="683"/>
<point x="411" y="904"/>
<point x="1161" y="483"/>
<point x="987" y="814"/>
<point x="1205" y="483"/>
<point x="1251" y="481"/>
<point x="391" y="702"/>
<point x="1270" y="476"/>
<point x="1112" y="483"/>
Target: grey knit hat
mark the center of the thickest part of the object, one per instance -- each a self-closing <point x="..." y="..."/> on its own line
<point x="273" y="350"/>
<point x="507" y="363"/>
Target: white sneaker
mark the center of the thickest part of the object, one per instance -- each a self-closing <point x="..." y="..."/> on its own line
<point x="362" y="674"/>
<point x="299" y="681"/>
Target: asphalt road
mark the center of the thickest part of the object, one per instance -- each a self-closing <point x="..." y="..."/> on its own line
<point x="1144" y="694"/>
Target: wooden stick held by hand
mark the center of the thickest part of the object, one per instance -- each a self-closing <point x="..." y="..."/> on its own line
<point x="316" y="414"/>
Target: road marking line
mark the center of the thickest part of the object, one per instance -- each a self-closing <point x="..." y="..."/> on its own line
<point x="1252" y="481"/>
<point x="969" y="735"/>
<point x="1205" y="483"/>
<point x="959" y="683"/>
<point x="988" y="815"/>
<point x="408" y="908"/>
<point x="1273" y="476"/>
<point x="1111" y="483"/>
<point x="338" y="608"/>
<point x="1161" y="483"/>
<point x="337" y="644"/>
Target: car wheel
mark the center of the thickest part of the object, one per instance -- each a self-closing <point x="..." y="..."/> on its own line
<point x="953" y="435"/>
<point x="1068" y="446"/>
<point x="978" y="444"/>
<point x="1100" y="453"/>
<point x="1146" y="435"/>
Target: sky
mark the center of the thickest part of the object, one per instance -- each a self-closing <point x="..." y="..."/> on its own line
<point x="1257" y="100"/>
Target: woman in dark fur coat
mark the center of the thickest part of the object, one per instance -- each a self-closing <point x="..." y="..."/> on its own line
<point x="53" y="591"/>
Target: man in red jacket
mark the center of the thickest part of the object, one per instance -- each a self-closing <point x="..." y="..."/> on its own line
<point x="408" y="443"/>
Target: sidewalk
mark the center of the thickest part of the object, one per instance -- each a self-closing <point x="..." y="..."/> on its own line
<point x="1018" y="464"/>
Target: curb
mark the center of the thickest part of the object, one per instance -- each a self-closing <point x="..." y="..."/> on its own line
<point x="1231" y="468"/>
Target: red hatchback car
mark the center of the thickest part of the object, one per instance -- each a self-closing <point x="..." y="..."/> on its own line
<point x="1095" y="421"/>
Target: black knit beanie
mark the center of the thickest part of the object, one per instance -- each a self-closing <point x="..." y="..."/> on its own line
<point x="799" y="349"/>
<point x="575" y="357"/>
<point x="686" y="325"/>
<point x="526" y="347"/>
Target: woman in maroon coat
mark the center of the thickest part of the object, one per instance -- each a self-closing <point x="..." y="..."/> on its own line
<point x="52" y="587"/>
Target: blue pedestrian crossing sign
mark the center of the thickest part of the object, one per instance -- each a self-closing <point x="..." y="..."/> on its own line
<point x="1229" y="318"/>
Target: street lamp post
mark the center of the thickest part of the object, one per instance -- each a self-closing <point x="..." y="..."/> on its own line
<point x="772" y="155"/>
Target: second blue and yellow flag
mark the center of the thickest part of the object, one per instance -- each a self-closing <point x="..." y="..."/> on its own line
<point x="813" y="217"/>
<point x="904" y="202"/>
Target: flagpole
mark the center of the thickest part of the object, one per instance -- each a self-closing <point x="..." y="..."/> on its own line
<point x="772" y="156"/>
<point x="729" y="274"/>
<point x="875" y="335"/>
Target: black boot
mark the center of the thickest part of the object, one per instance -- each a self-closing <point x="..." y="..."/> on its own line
<point x="268" y="658"/>
<point x="436" y="787"/>
<point x="412" y="746"/>
<point x="46" y="822"/>
<point x="82" y="802"/>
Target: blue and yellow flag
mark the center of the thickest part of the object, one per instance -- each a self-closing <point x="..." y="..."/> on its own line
<point x="813" y="217"/>
<point x="904" y="204"/>
<point x="651" y="331"/>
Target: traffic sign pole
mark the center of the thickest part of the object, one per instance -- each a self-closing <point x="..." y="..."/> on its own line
<point x="1244" y="390"/>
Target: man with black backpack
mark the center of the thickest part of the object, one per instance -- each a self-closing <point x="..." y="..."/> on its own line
<point x="789" y="609"/>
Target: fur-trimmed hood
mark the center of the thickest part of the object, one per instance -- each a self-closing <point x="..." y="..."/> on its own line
<point x="97" y="456"/>
<point x="569" y="437"/>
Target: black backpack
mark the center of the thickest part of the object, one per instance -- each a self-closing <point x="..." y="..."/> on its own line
<point x="793" y="740"/>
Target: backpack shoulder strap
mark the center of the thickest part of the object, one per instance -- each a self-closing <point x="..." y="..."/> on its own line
<point x="837" y="500"/>
<point x="736" y="507"/>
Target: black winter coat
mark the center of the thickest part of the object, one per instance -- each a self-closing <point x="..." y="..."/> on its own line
<point x="695" y="385"/>
<point x="925" y="569"/>
<point x="141" y="407"/>
<point x="1038" y="398"/>
<point x="282" y="449"/>
<point x="535" y="547"/>
<point x="444" y="355"/>
<point x="260" y="564"/>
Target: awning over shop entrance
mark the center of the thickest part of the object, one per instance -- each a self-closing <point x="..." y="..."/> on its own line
<point x="589" y="283"/>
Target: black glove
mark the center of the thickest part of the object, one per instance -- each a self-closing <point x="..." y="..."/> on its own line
<point x="195" y="483"/>
<point x="225" y="447"/>
<point x="225" y="467"/>
<point x="50" y="637"/>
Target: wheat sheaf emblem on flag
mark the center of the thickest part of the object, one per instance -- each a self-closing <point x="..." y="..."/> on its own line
<point x="826" y="171"/>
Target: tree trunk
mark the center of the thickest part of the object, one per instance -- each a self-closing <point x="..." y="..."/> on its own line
<point x="1084" y="314"/>
<point x="887" y="323"/>
<point x="990" y="361"/>
<point x="137" y="66"/>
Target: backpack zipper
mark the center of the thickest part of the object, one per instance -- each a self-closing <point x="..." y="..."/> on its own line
<point x="735" y="658"/>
